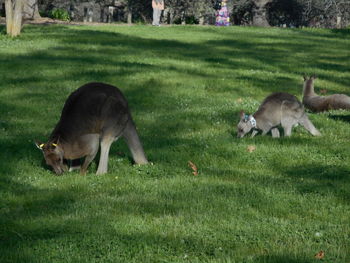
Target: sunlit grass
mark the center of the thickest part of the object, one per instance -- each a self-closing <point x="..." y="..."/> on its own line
<point x="283" y="202"/>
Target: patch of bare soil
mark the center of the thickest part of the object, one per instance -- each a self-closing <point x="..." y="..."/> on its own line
<point x="50" y="21"/>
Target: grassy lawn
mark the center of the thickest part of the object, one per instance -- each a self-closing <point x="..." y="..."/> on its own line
<point x="283" y="202"/>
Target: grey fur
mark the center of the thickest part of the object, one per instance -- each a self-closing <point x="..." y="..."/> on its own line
<point x="317" y="103"/>
<point x="94" y="115"/>
<point x="278" y="109"/>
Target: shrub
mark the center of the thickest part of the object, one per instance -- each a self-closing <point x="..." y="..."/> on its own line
<point x="59" y="14"/>
<point x="242" y="12"/>
<point x="285" y="12"/>
<point x="43" y="13"/>
<point x="191" y="20"/>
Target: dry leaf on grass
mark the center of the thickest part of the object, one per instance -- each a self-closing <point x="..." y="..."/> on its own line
<point x="251" y="148"/>
<point x="193" y="167"/>
<point x="319" y="255"/>
<point x="239" y="100"/>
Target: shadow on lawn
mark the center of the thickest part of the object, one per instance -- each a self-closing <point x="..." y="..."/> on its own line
<point x="344" y="118"/>
<point x="282" y="259"/>
<point x="319" y="179"/>
<point x="230" y="53"/>
<point x="20" y="203"/>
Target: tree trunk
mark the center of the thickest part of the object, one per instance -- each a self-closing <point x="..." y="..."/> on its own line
<point x="17" y="18"/>
<point x="9" y="15"/>
<point x="31" y="9"/>
<point x="338" y="21"/>
<point x="36" y="11"/>
<point x="259" y="13"/>
<point x="14" y="11"/>
<point x="171" y="16"/>
<point x="129" y="17"/>
<point x="144" y="18"/>
<point x="183" y="18"/>
<point x="201" y="20"/>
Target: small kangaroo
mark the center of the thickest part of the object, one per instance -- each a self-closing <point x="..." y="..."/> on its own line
<point x="95" y="114"/>
<point x="277" y="109"/>
<point x="317" y="103"/>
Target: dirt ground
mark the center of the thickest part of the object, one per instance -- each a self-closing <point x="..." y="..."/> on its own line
<point x="48" y="21"/>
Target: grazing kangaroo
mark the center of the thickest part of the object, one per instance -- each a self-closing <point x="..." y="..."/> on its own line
<point x="277" y="109"/>
<point x="95" y="114"/>
<point x="317" y="103"/>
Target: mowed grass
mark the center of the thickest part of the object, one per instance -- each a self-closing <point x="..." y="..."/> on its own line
<point x="283" y="202"/>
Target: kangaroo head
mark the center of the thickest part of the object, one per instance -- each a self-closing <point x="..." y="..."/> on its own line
<point x="308" y="88"/>
<point x="53" y="155"/>
<point x="245" y="124"/>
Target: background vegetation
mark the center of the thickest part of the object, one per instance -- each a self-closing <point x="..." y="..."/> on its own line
<point x="283" y="202"/>
<point x="289" y="13"/>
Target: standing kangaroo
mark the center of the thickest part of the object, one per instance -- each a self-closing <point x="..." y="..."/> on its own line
<point x="95" y="114"/>
<point x="277" y="109"/>
<point x="317" y="103"/>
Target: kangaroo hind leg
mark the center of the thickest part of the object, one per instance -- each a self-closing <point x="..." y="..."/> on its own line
<point x="115" y="117"/>
<point x="106" y="143"/>
<point x="275" y="133"/>
<point x="290" y="112"/>
<point x="288" y="122"/>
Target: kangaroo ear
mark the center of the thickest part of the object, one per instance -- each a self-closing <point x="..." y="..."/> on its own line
<point x="305" y="77"/>
<point x="242" y="114"/>
<point x="250" y="117"/>
<point x="40" y="145"/>
<point x="55" y="142"/>
<point x="313" y="76"/>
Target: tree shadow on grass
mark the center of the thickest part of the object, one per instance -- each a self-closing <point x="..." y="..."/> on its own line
<point x="342" y="31"/>
<point x="283" y="259"/>
<point x="343" y="118"/>
<point x="110" y="44"/>
<point x="21" y="211"/>
<point x="326" y="33"/>
<point x="320" y="179"/>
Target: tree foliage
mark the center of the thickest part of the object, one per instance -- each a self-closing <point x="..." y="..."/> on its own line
<point x="288" y="13"/>
<point x="295" y="13"/>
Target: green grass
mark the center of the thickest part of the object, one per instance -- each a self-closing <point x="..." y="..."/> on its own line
<point x="283" y="202"/>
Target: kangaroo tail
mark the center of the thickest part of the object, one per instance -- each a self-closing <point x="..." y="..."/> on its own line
<point x="134" y="143"/>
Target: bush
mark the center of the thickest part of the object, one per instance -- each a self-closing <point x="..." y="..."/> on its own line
<point x="43" y="13"/>
<point x="285" y="12"/>
<point x="242" y="12"/>
<point x="59" y="14"/>
<point x="191" y="20"/>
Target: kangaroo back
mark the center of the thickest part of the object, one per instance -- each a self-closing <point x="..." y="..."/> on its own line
<point x="88" y="108"/>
